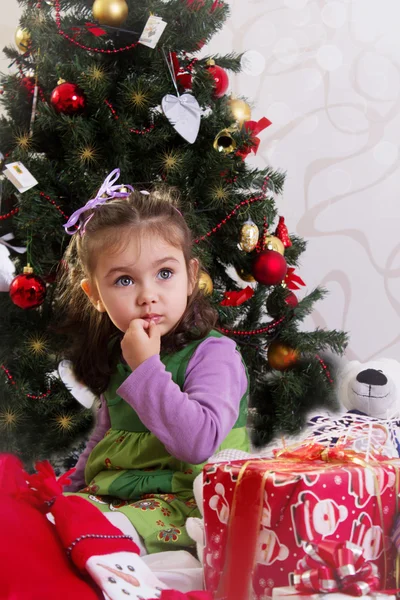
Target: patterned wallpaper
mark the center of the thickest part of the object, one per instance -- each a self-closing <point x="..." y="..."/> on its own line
<point x="331" y="86"/>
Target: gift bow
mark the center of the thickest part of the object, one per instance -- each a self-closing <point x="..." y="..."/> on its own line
<point x="335" y="566"/>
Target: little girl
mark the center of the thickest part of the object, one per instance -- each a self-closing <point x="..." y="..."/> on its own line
<point x="173" y="390"/>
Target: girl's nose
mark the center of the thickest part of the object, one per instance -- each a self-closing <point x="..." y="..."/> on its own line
<point x="147" y="295"/>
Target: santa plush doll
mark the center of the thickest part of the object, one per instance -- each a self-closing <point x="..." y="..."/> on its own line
<point x="82" y="555"/>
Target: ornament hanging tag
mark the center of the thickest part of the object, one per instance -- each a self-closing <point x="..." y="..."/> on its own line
<point x="19" y="176"/>
<point x="152" y="31"/>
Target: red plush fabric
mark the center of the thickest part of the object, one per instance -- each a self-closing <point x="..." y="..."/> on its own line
<point x="32" y="562"/>
<point x="76" y="518"/>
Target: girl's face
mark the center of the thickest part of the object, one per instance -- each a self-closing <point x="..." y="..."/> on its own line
<point x="146" y="279"/>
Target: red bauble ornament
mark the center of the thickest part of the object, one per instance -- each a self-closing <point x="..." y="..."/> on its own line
<point x="27" y="290"/>
<point x="68" y="98"/>
<point x="274" y="305"/>
<point x="269" y="267"/>
<point x="28" y="83"/>
<point x="291" y="299"/>
<point x="221" y="80"/>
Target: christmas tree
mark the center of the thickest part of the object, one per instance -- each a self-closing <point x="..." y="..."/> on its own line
<point x="95" y="87"/>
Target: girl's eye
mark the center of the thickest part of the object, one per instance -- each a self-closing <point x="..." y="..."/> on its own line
<point x="124" y="281"/>
<point x="165" y="274"/>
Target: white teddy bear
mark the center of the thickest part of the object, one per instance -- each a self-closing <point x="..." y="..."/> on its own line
<point x="372" y="388"/>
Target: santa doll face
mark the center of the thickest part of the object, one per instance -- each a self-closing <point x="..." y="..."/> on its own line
<point x="325" y="517"/>
<point x="372" y="543"/>
<point x="270" y="548"/>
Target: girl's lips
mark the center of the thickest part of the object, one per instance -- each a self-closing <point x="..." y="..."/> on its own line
<point x="154" y="318"/>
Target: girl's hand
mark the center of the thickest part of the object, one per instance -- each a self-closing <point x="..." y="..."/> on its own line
<point x="141" y="340"/>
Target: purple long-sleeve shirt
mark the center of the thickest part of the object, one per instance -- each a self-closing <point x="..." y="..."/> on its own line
<point x="192" y="422"/>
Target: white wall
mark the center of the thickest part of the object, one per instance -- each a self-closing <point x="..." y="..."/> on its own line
<point x="331" y="87"/>
<point x="8" y="25"/>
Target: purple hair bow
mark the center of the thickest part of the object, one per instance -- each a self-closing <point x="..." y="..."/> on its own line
<point x="107" y="191"/>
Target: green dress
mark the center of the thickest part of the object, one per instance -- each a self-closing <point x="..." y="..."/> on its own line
<point x="130" y="470"/>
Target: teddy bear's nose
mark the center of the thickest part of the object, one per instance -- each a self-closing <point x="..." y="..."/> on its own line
<point x="372" y="377"/>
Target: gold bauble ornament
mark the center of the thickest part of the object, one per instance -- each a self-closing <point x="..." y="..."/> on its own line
<point x="224" y="141"/>
<point x="272" y="242"/>
<point x="205" y="284"/>
<point x="110" y="12"/>
<point x="281" y="356"/>
<point x="249" y="236"/>
<point x="248" y="277"/>
<point x="22" y="39"/>
<point x="240" y="110"/>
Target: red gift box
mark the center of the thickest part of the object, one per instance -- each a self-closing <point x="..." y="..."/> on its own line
<point x="259" y="515"/>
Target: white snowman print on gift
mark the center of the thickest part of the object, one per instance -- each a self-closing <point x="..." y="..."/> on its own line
<point x="369" y="536"/>
<point x="281" y="478"/>
<point x="269" y="547"/>
<point x="314" y="519"/>
<point x="365" y="483"/>
<point x="266" y="513"/>
<point x="220" y="504"/>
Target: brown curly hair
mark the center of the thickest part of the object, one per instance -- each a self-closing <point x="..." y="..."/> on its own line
<point x="93" y="341"/>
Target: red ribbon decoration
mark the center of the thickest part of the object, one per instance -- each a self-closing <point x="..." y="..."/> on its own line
<point x="308" y="450"/>
<point x="184" y="78"/>
<point x="293" y="281"/>
<point x="254" y="128"/>
<point x="332" y="566"/>
<point x="91" y="28"/>
<point x="95" y="29"/>
<point x="237" y="298"/>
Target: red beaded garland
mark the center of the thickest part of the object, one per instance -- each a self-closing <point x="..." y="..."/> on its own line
<point x="325" y="368"/>
<point x="253" y="331"/>
<point x="234" y="211"/>
<point x="9" y="214"/>
<point x="53" y="202"/>
<point x="132" y="130"/>
<point x="57" y="5"/>
<point x="12" y="382"/>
